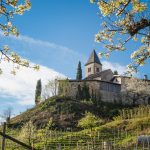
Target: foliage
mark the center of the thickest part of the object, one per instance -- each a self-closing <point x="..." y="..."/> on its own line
<point x="51" y="89"/>
<point x="7" y="114"/>
<point x="46" y="133"/>
<point x="38" y="92"/>
<point x="79" y="72"/>
<point x="8" y="9"/>
<point x="79" y="94"/>
<point x="115" y="72"/>
<point x="89" y="121"/>
<point x="63" y="88"/>
<point x="85" y="92"/>
<point x="137" y="112"/>
<point x="123" y="21"/>
<point x="28" y="133"/>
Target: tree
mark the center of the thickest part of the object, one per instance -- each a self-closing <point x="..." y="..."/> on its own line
<point x="64" y="88"/>
<point x="38" y="92"/>
<point x="28" y="133"/>
<point x="8" y="9"/>
<point x="115" y="72"/>
<point x="123" y="21"/>
<point x="79" y="95"/>
<point x="46" y="132"/>
<point x="7" y="114"/>
<point x="89" y="121"/>
<point x="79" y="72"/>
<point x="51" y="88"/>
<point x="85" y="92"/>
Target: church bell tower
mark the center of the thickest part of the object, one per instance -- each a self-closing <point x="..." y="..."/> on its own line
<point x="93" y="65"/>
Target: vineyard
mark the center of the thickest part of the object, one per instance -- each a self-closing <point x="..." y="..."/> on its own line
<point x="128" y="131"/>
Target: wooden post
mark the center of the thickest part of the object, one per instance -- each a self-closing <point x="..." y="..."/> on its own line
<point x="16" y="141"/>
<point x="3" y="137"/>
<point x="59" y="146"/>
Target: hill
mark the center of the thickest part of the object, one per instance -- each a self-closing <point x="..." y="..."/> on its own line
<point x="120" y="127"/>
<point x="65" y="112"/>
<point x="122" y="131"/>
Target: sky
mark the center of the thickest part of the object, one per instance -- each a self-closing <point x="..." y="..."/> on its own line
<point x="56" y="35"/>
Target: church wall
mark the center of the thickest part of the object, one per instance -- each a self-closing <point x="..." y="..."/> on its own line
<point x="108" y="92"/>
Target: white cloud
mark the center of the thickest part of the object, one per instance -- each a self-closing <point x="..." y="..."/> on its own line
<point x="31" y="41"/>
<point x="114" y="66"/>
<point x="22" y="85"/>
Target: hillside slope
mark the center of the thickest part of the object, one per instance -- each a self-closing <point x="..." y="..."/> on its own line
<point x="64" y="112"/>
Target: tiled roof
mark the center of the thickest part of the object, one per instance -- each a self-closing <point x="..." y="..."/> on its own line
<point x="92" y="76"/>
<point x="93" y="59"/>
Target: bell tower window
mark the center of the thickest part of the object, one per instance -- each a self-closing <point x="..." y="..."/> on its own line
<point x="97" y="69"/>
<point x="89" y="69"/>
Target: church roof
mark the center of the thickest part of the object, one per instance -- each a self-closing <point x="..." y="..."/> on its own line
<point x="93" y="59"/>
<point x="99" y="74"/>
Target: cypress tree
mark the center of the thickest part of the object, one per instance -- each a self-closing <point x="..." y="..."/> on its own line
<point x="38" y="92"/>
<point x="79" y="72"/>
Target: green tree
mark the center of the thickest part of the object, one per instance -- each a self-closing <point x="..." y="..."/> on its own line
<point x="27" y="133"/>
<point x="94" y="98"/>
<point x="50" y="89"/>
<point x="46" y="132"/>
<point x="115" y="72"/>
<point x="8" y="9"/>
<point x="63" y="88"/>
<point x="79" y="72"/>
<point x="38" y="92"/>
<point x="89" y="121"/>
<point x="85" y="92"/>
<point x="79" y="95"/>
<point x="125" y="21"/>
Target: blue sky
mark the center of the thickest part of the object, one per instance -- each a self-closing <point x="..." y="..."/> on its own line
<point x="56" y="35"/>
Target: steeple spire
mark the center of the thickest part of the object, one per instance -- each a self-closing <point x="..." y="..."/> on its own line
<point x="93" y="59"/>
<point x="93" y="65"/>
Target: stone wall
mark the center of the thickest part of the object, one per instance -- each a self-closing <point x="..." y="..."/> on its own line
<point x="127" y="97"/>
<point x="106" y="91"/>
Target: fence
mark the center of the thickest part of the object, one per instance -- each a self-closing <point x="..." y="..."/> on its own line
<point x="5" y="136"/>
<point x="97" y="142"/>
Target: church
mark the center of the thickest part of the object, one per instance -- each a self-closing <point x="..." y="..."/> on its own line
<point x="104" y="84"/>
